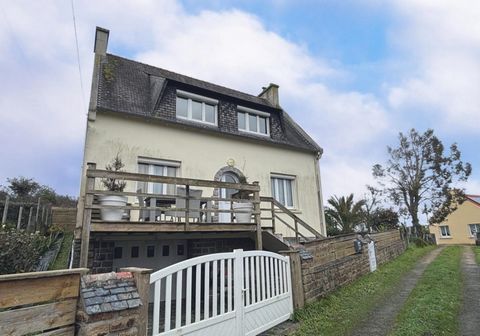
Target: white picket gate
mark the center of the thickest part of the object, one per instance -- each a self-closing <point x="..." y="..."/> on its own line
<point x="237" y="293"/>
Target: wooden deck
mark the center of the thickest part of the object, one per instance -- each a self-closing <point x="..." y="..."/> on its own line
<point x="125" y="226"/>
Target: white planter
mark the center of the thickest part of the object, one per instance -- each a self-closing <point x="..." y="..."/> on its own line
<point x="243" y="211"/>
<point x="112" y="200"/>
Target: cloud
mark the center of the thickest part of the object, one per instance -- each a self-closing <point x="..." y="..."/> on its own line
<point x="342" y="176"/>
<point x="439" y="44"/>
<point x="43" y="106"/>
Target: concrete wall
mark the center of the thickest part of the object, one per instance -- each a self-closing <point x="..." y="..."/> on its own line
<point x="466" y="213"/>
<point x="201" y="156"/>
<point x="335" y="263"/>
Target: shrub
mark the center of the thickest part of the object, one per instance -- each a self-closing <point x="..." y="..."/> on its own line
<point x="419" y="242"/>
<point x="20" y="251"/>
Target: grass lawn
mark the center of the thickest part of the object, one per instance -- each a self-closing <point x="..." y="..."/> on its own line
<point x="339" y="312"/>
<point x="62" y="258"/>
<point x="433" y="306"/>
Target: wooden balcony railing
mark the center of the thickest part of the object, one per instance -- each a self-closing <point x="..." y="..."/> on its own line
<point x="173" y="211"/>
<point x="279" y="215"/>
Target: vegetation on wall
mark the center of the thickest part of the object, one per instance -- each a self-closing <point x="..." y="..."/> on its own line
<point x="344" y="215"/>
<point x="22" y="189"/>
<point x="20" y="251"/>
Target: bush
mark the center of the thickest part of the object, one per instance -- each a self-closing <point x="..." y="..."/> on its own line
<point x="419" y="242"/>
<point x="20" y="251"/>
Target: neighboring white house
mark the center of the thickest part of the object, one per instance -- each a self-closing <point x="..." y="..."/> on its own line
<point x="164" y="123"/>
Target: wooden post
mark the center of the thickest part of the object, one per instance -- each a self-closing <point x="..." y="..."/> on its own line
<point x="187" y="207"/>
<point x="273" y="217"/>
<point x="297" y="279"/>
<point x="19" y="220"/>
<point x="36" y="214"/>
<point x="47" y="217"/>
<point x="258" y="220"/>
<point x="42" y="222"/>
<point x="142" y="279"/>
<point x="296" y="231"/>
<point x="29" y="223"/>
<point x="87" y="217"/>
<point x="5" y="210"/>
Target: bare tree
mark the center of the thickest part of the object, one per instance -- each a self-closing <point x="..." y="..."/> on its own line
<point x="419" y="175"/>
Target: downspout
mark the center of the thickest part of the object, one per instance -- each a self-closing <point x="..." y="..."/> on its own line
<point x="323" y="228"/>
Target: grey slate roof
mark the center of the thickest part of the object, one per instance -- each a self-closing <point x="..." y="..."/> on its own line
<point x="108" y="292"/>
<point x="131" y="87"/>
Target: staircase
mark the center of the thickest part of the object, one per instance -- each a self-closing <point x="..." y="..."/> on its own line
<point x="280" y="216"/>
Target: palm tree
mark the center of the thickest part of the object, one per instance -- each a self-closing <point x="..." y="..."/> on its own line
<point x="343" y="214"/>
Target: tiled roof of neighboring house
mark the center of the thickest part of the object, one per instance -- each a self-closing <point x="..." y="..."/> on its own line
<point x="474" y="198"/>
<point x="107" y="292"/>
<point x="132" y="87"/>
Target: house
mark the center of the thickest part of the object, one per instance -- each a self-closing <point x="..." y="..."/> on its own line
<point x="461" y="226"/>
<point x="184" y="139"/>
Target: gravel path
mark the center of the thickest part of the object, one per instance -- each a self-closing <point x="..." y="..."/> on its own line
<point x="469" y="315"/>
<point x="381" y="319"/>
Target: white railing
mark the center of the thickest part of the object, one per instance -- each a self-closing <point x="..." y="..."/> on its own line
<point x="221" y="292"/>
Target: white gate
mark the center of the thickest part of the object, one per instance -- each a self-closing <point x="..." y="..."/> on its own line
<point x="237" y="293"/>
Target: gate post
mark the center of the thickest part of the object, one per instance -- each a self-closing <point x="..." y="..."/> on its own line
<point x="238" y="291"/>
<point x="296" y="276"/>
<point x="142" y="280"/>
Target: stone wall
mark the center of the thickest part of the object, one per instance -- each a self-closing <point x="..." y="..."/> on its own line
<point x="334" y="262"/>
<point x="198" y="247"/>
<point x="112" y="304"/>
<point x="100" y="256"/>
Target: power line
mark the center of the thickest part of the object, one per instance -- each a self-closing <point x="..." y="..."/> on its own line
<point x="78" y="56"/>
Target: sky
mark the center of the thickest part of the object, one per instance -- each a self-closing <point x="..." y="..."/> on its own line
<point x="353" y="74"/>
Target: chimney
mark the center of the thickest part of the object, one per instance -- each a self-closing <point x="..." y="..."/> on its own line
<point x="101" y="41"/>
<point x="270" y="93"/>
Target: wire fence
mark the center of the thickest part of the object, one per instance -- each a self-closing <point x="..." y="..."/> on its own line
<point x="29" y="216"/>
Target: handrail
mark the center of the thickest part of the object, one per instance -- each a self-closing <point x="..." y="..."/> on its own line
<point x="171" y="180"/>
<point x="288" y="212"/>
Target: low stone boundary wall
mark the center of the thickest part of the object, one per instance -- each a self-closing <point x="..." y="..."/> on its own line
<point x="330" y="263"/>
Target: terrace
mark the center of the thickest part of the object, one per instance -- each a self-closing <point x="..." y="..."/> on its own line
<point x="162" y="204"/>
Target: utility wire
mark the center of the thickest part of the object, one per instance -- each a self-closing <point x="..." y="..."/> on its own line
<point x="78" y="56"/>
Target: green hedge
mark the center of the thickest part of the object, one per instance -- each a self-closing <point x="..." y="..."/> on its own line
<point x="20" y="251"/>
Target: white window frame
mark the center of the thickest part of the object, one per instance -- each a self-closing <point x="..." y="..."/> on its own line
<point x="293" y="183"/>
<point x="251" y="112"/>
<point x="441" y="232"/>
<point x="200" y="99"/>
<point x="477" y="225"/>
<point x="151" y="170"/>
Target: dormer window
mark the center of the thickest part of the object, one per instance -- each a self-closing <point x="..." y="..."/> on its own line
<point x="196" y="108"/>
<point x="253" y="121"/>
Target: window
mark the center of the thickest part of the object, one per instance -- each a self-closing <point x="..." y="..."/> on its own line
<point x="134" y="252"/>
<point x="444" y="231"/>
<point x="150" y="251"/>
<point x="180" y="250"/>
<point x="253" y="121"/>
<point x="165" y="251"/>
<point x="160" y="168"/>
<point x="117" y="252"/>
<point x="196" y="108"/>
<point x="282" y="189"/>
<point x="474" y="228"/>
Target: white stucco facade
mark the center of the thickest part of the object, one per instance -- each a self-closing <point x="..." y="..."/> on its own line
<point x="201" y="154"/>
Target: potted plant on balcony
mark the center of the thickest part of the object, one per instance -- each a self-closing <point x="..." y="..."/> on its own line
<point x="243" y="206"/>
<point x="114" y="185"/>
